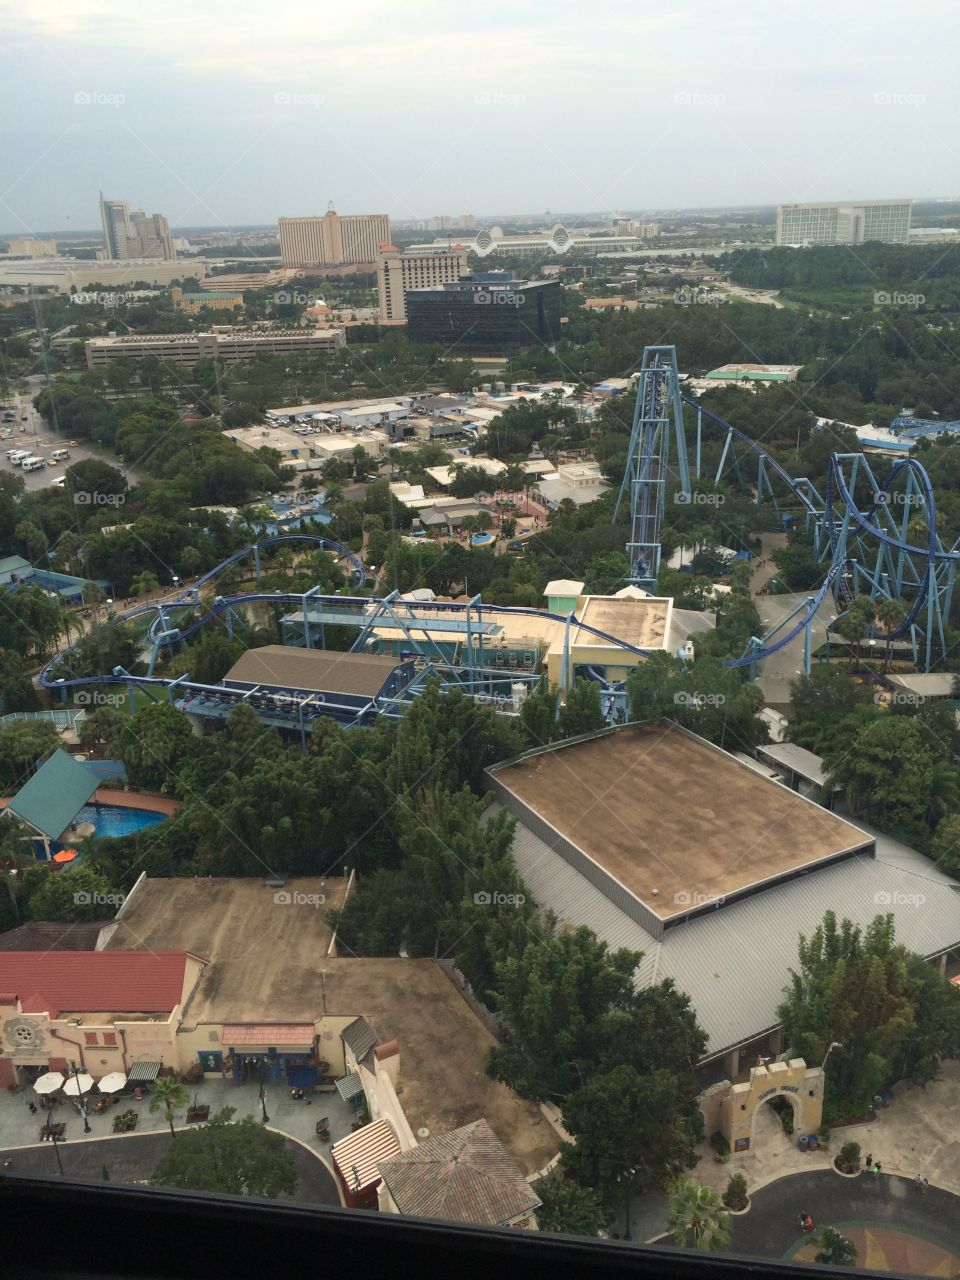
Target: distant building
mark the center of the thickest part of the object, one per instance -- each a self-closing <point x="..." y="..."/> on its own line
<point x="134" y="234"/>
<point x="61" y="275"/>
<point x="631" y="227"/>
<point x="398" y="272"/>
<point x="28" y="247"/>
<point x="844" y="223"/>
<point x="230" y="345"/>
<point x="556" y="240"/>
<point x="755" y="373"/>
<point x="238" y="282"/>
<point x="486" y="313"/>
<point x="214" y="300"/>
<point x="333" y="239"/>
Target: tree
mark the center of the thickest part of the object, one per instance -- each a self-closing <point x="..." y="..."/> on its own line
<point x="102" y="725"/>
<point x="889" y="615"/>
<point x="818" y="702"/>
<point x="153" y="742"/>
<point x="884" y="765"/>
<point x="835" y="1250"/>
<point x="75" y="893"/>
<point x="581" y="712"/>
<point x="567" y="1207"/>
<point x="697" y="1217"/>
<point x="855" y="624"/>
<point x="238" y="1158"/>
<point x="91" y="476"/>
<point x="170" y="1096"/>
<point x="946" y="844"/>
<point x="145" y="583"/>
<point x="23" y="744"/>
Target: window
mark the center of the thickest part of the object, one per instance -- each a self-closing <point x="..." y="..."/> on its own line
<point x="89" y="1037"/>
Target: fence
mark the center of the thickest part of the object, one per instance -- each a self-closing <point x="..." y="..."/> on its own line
<point x="489" y="1020"/>
<point x="62" y="719"/>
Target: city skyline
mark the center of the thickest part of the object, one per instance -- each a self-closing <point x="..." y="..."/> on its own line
<point x="178" y="111"/>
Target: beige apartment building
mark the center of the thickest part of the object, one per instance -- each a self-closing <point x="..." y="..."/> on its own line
<point x="332" y="240"/>
<point x="28" y="247"/>
<point x="229" y="345"/>
<point x="398" y="272"/>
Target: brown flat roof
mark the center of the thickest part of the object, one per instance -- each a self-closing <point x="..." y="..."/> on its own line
<point x="322" y="670"/>
<point x="264" y="964"/>
<point x="675" y="820"/>
<point x="639" y="622"/>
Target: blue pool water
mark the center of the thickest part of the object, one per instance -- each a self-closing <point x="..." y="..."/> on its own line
<point x="111" y="821"/>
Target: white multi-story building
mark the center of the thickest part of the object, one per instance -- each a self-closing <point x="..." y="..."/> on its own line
<point x="29" y="247"/>
<point x="632" y="227"/>
<point x="844" y="223"/>
<point x="399" y="272"/>
<point x="332" y="240"/>
<point x="227" y="344"/>
<point x="547" y="243"/>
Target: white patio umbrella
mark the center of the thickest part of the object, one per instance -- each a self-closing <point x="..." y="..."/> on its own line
<point x="50" y="1082"/>
<point x="78" y="1084"/>
<point x="112" y="1083"/>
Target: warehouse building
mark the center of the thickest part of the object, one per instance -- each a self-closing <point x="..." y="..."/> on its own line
<point x="229" y="345"/>
<point x="663" y="843"/>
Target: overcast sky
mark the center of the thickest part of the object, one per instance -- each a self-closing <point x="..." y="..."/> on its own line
<point x="220" y="113"/>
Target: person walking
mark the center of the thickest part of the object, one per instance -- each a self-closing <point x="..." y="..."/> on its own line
<point x="868" y="1163"/>
<point x="876" y="1169"/>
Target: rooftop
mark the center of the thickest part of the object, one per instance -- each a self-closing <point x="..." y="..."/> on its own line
<point x="467" y="1176"/>
<point x="87" y="981"/>
<point x="317" y="670"/>
<point x="673" y="819"/>
<point x="53" y="935"/>
<point x="54" y="795"/>
<point x="264" y="959"/>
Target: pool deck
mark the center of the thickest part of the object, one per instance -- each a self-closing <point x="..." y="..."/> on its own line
<point x="127" y="800"/>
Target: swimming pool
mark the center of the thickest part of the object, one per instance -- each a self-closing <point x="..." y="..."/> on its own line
<point x="110" y="820"/>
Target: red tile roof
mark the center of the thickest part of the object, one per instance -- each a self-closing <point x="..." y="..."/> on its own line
<point x="271" y="1033"/>
<point x="95" y="981"/>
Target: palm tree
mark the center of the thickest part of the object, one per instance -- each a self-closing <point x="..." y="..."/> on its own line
<point x="835" y="1250"/>
<point x="889" y="615"/>
<point x="697" y="1217"/>
<point x="855" y="623"/>
<point x="169" y="1093"/>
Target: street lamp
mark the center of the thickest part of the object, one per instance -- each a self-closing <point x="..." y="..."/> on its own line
<point x="263" y="1098"/>
<point x="80" y="1103"/>
<point x="53" y="1139"/>
<point x="834" y="1044"/>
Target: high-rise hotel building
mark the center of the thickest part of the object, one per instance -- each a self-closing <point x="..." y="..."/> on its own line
<point x="333" y="240"/>
<point x="844" y="223"/>
<point x="398" y="273"/>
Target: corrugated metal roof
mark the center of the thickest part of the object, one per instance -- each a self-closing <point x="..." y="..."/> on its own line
<point x="357" y="1157"/>
<point x="55" y="794"/>
<point x="318" y="670"/>
<point x="466" y="1175"/>
<point x="349" y="1086"/>
<point x="575" y="901"/>
<point x="798" y="759"/>
<point x="734" y="962"/>
<point x="360" y="1037"/>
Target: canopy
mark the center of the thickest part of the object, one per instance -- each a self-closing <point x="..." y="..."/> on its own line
<point x="55" y="794"/>
<point x="112" y="1083"/>
<point x="142" y="1072"/>
<point x="50" y="1082"/>
<point x="80" y="1083"/>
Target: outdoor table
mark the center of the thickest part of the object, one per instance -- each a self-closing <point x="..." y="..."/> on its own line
<point x="52" y="1131"/>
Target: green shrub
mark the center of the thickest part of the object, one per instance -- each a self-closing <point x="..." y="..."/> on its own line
<point x="735" y="1196"/>
<point x="849" y="1158"/>
<point x="719" y="1143"/>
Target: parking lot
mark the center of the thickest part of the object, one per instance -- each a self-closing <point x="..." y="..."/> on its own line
<point x="28" y="430"/>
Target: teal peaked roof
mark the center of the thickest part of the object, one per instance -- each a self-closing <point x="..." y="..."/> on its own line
<point x="55" y="794"/>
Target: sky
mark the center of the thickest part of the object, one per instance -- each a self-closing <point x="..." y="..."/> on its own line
<point x="225" y="114"/>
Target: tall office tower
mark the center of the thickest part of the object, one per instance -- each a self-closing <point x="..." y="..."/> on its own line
<point x="398" y="273"/>
<point x="332" y="240"/>
<point x="466" y="220"/>
<point x="844" y="223"/>
<point x="134" y="234"/>
<point x="115" y="216"/>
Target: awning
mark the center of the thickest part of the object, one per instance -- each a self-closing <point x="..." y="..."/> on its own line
<point x="143" y="1072"/>
<point x="349" y="1086"/>
<point x="298" y="1034"/>
<point x="357" y="1156"/>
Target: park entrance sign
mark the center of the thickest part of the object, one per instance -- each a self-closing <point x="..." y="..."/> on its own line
<point x="731" y="1108"/>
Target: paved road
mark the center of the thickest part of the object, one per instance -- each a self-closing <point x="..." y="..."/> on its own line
<point x="133" y="1158"/>
<point x="887" y="1204"/>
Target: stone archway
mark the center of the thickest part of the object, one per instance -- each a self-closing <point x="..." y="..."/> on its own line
<point x="732" y="1108"/>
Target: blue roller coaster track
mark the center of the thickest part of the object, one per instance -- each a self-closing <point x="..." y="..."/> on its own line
<point x="863" y="533"/>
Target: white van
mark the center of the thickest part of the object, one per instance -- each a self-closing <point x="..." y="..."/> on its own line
<point x="17" y="456"/>
<point x="32" y="464"/>
<point x="60" y="455"/>
<point x="59" y="482"/>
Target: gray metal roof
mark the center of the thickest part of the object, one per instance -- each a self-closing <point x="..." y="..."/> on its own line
<point x="360" y="1037"/>
<point x="349" y="1086"/>
<point x="734" y="962"/>
<point x="927" y="684"/>
<point x="798" y="759"/>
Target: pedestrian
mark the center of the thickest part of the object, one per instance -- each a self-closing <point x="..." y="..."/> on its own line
<point x="876" y="1169"/>
<point x="33" y="1108"/>
<point x="924" y="1186"/>
<point x="918" y="1182"/>
<point x="868" y="1163"/>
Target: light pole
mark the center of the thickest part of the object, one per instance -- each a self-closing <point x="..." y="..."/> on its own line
<point x="263" y="1097"/>
<point x="53" y="1139"/>
<point x="834" y="1044"/>
<point x="80" y="1103"/>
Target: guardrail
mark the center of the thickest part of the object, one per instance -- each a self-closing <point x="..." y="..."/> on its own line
<point x="67" y="719"/>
